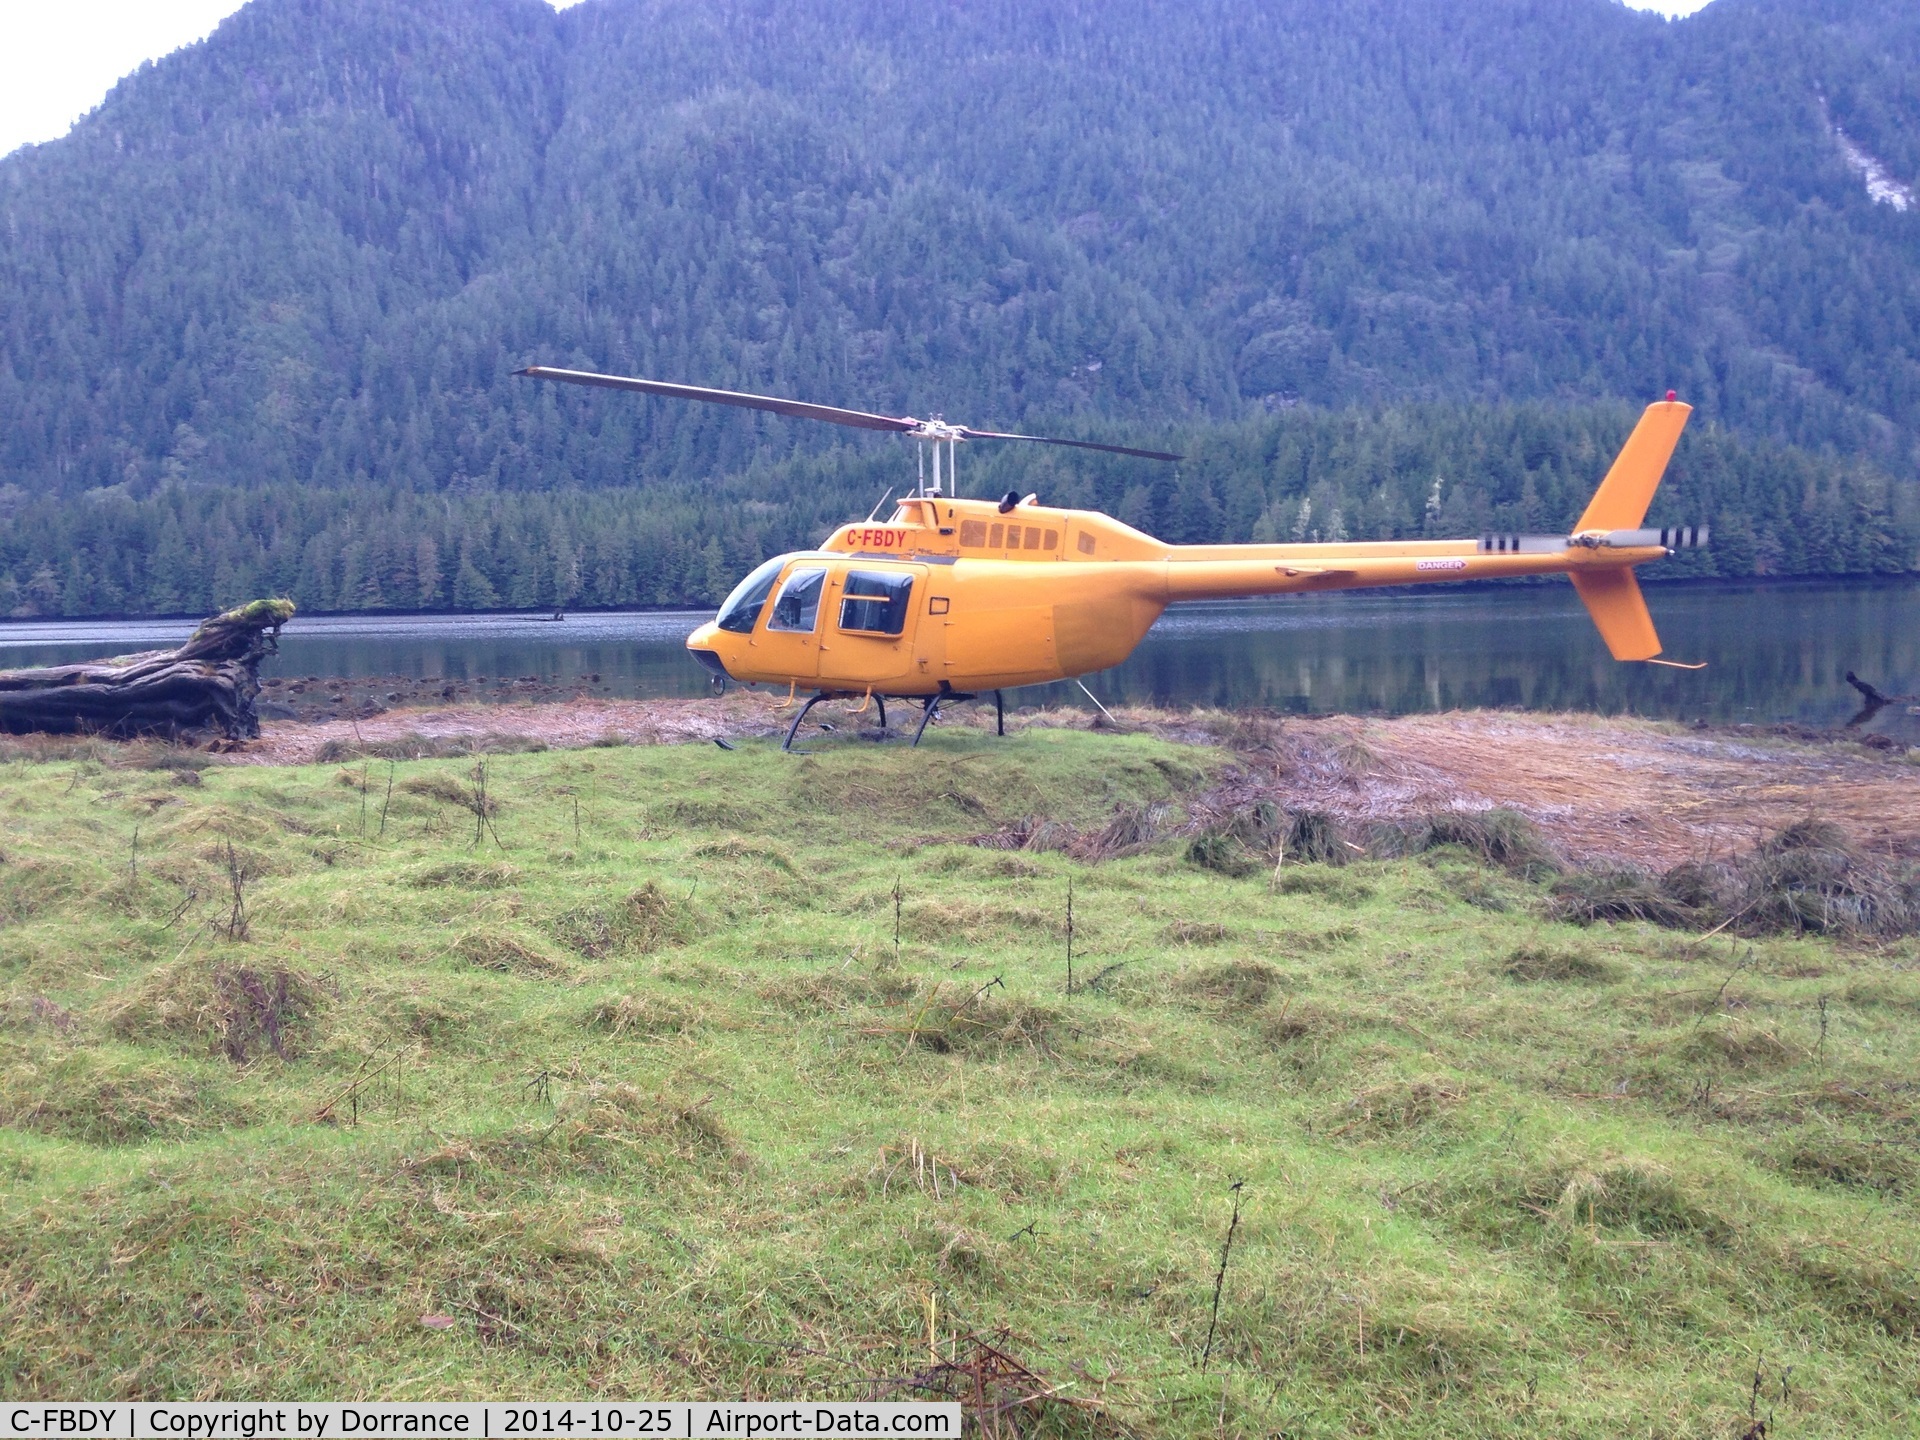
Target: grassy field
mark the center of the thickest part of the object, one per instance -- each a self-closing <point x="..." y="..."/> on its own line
<point x="677" y="1072"/>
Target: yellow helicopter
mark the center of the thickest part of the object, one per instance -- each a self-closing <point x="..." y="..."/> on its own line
<point x="948" y="598"/>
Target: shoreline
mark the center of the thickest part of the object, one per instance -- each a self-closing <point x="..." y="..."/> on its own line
<point x="1607" y="789"/>
<point x="543" y="614"/>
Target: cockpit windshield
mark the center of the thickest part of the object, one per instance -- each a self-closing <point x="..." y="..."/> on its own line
<point x="742" y="608"/>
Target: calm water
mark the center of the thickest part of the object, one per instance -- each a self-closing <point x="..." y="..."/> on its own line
<point x="1775" y="652"/>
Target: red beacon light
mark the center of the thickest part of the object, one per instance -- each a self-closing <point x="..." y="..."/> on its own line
<point x="1673" y="394"/>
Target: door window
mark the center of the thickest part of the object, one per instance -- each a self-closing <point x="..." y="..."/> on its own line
<point x="798" y="607"/>
<point x="876" y="602"/>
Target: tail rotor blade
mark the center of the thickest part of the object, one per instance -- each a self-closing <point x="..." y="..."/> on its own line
<point x="799" y="409"/>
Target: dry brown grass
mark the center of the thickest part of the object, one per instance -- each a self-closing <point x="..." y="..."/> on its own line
<point x="1535" y="963"/>
<point x="101" y="1100"/>
<point x="1725" y="1042"/>
<point x="448" y="789"/>
<point x="644" y="921"/>
<point x="626" y="1117"/>
<point x="1821" y="1155"/>
<point x="1236" y="983"/>
<point x="1296" y="1020"/>
<point x="1196" y="932"/>
<point x="975" y="921"/>
<point x="223" y="1008"/>
<point x="508" y="952"/>
<point x="641" y="1015"/>
<point x="839" y="990"/>
<point x="467" y="875"/>
<point x="735" y="848"/>
<point x="1393" y="1107"/>
<point x="955" y="1018"/>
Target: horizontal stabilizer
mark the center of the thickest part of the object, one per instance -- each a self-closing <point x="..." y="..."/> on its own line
<point x="1674" y="537"/>
<point x="1522" y="544"/>
<point x="1619" y="611"/>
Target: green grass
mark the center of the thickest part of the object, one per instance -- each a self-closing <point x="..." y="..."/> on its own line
<point x="651" y="1107"/>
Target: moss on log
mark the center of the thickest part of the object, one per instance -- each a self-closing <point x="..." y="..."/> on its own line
<point x="207" y="684"/>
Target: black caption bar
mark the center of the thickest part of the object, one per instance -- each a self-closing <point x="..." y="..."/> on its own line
<point x="573" y="1420"/>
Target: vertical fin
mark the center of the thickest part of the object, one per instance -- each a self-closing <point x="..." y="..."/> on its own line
<point x="1622" y="499"/>
<point x="1619" y="612"/>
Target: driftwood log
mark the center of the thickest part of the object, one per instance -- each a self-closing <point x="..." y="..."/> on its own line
<point x="209" y="683"/>
<point x="1872" y="701"/>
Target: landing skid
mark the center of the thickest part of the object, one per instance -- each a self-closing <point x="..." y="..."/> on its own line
<point x="794" y="728"/>
<point x="930" y="707"/>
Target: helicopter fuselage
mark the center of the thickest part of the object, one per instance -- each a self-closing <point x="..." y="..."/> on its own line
<point x="955" y="597"/>
<point x="965" y="596"/>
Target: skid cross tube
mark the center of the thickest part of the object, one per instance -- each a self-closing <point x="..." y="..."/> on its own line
<point x="999" y="713"/>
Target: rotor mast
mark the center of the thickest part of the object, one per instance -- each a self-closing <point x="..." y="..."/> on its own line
<point x="937" y="432"/>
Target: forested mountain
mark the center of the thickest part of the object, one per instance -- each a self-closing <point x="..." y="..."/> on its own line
<point x="258" y="312"/>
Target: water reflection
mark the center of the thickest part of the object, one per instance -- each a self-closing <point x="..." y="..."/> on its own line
<point x="1776" y="652"/>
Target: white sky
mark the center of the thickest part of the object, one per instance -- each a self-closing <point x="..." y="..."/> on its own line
<point x="58" y="58"/>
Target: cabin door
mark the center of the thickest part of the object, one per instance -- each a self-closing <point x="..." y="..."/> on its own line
<point x="868" y="637"/>
<point x="788" y="641"/>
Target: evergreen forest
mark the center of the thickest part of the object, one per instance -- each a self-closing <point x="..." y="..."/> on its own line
<point x="1377" y="267"/>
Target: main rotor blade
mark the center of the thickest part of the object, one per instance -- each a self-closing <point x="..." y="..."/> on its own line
<point x="1076" y="444"/>
<point x="803" y="410"/>
<point x="800" y="409"/>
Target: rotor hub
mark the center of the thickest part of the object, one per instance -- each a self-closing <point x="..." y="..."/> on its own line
<point x="937" y="430"/>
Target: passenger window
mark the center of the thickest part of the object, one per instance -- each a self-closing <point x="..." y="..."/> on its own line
<point x="993" y="538"/>
<point x="876" y="602"/>
<point x="1033" y="537"/>
<point x="1052" y="540"/>
<point x="973" y="532"/>
<point x="798" y="607"/>
<point x="1086" y="543"/>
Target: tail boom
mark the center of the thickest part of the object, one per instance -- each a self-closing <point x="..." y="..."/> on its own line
<point x="1339" y="567"/>
<point x="1598" y="556"/>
